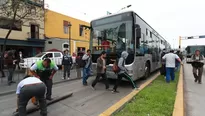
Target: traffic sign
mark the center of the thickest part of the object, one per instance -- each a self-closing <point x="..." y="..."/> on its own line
<point x="202" y="36"/>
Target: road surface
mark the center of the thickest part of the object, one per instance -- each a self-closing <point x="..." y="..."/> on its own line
<point x="194" y="93"/>
<point x="84" y="102"/>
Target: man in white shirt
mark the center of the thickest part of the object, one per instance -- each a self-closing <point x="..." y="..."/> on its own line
<point x="170" y="64"/>
<point x="28" y="88"/>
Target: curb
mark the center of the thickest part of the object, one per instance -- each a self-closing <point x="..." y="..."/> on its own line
<point x="179" y="101"/>
<point x="121" y="103"/>
<point x="55" y="83"/>
<point x="56" y="99"/>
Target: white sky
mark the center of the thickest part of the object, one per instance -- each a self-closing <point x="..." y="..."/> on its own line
<point x="170" y="18"/>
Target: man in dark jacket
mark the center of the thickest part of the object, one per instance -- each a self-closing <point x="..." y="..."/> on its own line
<point x="197" y="64"/>
<point x="101" y="71"/>
<point x="2" y="65"/>
<point x="67" y="63"/>
<point x="10" y="65"/>
<point x="163" y="67"/>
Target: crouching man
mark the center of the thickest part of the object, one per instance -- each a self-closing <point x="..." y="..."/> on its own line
<point x="31" y="86"/>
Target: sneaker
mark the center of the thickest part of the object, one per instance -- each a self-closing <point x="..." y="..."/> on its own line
<point x="49" y="98"/>
<point x="136" y="88"/>
<point x="199" y="82"/>
<point x="85" y="84"/>
<point x="115" y="91"/>
<point x="68" y="78"/>
<point x="195" y="80"/>
<point x="92" y="87"/>
<point x="108" y="89"/>
<point x="13" y="82"/>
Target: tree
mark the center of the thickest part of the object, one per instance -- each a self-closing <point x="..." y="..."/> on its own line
<point x="14" y="13"/>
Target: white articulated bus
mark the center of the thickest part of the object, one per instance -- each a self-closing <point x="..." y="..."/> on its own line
<point x="127" y="32"/>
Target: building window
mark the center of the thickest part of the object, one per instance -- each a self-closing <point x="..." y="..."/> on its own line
<point x="65" y="27"/>
<point x="5" y="23"/>
<point x="34" y="31"/>
<point x="150" y="34"/>
<point x="81" y="30"/>
<point x="147" y="32"/>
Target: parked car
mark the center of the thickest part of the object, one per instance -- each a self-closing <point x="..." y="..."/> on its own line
<point x="55" y="56"/>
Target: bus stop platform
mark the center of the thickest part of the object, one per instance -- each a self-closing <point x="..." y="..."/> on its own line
<point x="194" y="93"/>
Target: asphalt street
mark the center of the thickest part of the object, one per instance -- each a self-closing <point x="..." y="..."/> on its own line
<point x="84" y="101"/>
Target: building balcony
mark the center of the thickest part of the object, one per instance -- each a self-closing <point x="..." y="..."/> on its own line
<point x="35" y="36"/>
<point x="39" y="3"/>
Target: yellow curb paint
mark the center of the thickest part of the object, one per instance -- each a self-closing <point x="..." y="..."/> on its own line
<point x="179" y="101"/>
<point x="127" y="98"/>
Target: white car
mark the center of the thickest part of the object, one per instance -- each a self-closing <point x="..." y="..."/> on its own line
<point x="55" y="56"/>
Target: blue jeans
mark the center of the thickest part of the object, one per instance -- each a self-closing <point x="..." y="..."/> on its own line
<point x="177" y="66"/>
<point x="86" y="74"/>
<point x="170" y="72"/>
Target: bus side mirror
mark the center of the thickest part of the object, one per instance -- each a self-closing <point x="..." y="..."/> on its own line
<point x="137" y="31"/>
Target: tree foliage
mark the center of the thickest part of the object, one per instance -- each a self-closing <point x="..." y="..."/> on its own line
<point x="14" y="13"/>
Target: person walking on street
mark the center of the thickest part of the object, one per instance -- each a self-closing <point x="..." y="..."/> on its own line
<point x="67" y="63"/>
<point x="2" y="65"/>
<point x="163" y="67"/>
<point x="10" y="62"/>
<point x="197" y="64"/>
<point x="86" y="69"/>
<point x="27" y="88"/>
<point x="170" y="64"/>
<point x="45" y="70"/>
<point x="123" y="72"/>
<point x="101" y="71"/>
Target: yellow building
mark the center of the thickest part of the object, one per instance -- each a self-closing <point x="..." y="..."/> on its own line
<point x="26" y="35"/>
<point x="57" y="27"/>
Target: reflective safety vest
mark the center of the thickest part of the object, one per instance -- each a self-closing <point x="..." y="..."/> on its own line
<point x="43" y="72"/>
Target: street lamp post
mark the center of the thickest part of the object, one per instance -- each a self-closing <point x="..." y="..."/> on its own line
<point x="125" y="7"/>
<point x="69" y="25"/>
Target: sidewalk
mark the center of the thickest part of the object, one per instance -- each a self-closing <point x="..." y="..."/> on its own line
<point x="18" y="76"/>
<point x="194" y="93"/>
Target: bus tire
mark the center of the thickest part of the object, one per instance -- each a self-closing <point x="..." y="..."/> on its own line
<point x="147" y="70"/>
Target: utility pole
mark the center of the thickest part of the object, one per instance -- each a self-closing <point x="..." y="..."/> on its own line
<point x="124" y="8"/>
<point x="69" y="25"/>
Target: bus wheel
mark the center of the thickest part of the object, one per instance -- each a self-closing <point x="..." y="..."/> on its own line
<point x="147" y="71"/>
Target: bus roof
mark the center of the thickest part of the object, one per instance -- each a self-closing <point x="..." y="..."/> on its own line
<point x="114" y="14"/>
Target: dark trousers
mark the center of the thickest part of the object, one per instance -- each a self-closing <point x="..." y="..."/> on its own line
<point x="163" y="70"/>
<point x="2" y="73"/>
<point x="170" y="72"/>
<point x="119" y="79"/>
<point x="27" y="92"/>
<point x="11" y="71"/>
<point x="49" y="84"/>
<point x="66" y="70"/>
<point x="198" y="73"/>
<point x="104" y="76"/>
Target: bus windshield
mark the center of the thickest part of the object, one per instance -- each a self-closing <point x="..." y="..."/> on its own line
<point x="194" y="48"/>
<point x="113" y="38"/>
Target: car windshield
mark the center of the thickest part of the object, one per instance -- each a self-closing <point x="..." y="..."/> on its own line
<point x="40" y="55"/>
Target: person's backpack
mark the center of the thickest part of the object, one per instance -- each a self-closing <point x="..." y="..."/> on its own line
<point x="115" y="67"/>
